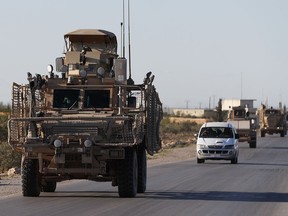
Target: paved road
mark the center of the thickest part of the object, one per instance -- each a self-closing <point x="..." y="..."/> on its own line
<point x="258" y="185"/>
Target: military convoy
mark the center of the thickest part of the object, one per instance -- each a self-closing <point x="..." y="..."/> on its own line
<point x="245" y="125"/>
<point x="272" y="121"/>
<point x="89" y="121"/>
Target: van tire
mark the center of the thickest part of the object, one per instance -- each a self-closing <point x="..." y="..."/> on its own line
<point x="234" y="160"/>
<point x="200" y="160"/>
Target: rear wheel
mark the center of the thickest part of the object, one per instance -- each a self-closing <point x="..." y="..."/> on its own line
<point x="127" y="174"/>
<point x="262" y="134"/>
<point x="142" y="170"/>
<point x="282" y="134"/>
<point x="49" y="186"/>
<point x="31" y="179"/>
<point x="252" y="144"/>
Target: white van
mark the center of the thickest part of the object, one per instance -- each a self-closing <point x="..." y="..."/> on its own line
<point x="217" y="141"/>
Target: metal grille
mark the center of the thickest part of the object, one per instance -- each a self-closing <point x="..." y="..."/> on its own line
<point x="17" y="130"/>
<point x="72" y="128"/>
<point x="153" y="118"/>
<point x="215" y="147"/>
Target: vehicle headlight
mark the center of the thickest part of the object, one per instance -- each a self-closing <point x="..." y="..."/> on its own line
<point x="87" y="143"/>
<point x="201" y="146"/>
<point x="83" y="73"/>
<point x="229" y="147"/>
<point x="101" y="71"/>
<point x="57" y="143"/>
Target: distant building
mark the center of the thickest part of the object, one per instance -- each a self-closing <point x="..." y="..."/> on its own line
<point x="227" y="104"/>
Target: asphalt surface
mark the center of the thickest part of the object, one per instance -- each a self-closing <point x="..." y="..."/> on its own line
<point x="257" y="185"/>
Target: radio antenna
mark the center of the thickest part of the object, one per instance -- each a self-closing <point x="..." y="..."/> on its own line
<point x="121" y="39"/>
<point x="123" y="54"/>
<point x="130" y="80"/>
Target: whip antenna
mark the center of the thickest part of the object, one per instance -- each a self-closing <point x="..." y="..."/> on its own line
<point x="121" y="39"/>
<point x="123" y="54"/>
<point x="130" y="80"/>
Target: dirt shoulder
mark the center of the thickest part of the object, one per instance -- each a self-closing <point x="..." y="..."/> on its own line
<point x="171" y="155"/>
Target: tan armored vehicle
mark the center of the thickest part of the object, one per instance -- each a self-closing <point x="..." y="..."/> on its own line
<point x="86" y="122"/>
<point x="272" y="121"/>
<point x="245" y="125"/>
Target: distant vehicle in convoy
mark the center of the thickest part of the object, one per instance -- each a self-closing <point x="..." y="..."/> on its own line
<point x="91" y="122"/>
<point x="217" y="141"/>
<point x="245" y="124"/>
<point x="272" y="121"/>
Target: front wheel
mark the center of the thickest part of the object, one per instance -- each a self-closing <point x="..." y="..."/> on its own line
<point x="200" y="160"/>
<point x="127" y="174"/>
<point x="31" y="180"/>
<point x="49" y="186"/>
<point x="234" y="160"/>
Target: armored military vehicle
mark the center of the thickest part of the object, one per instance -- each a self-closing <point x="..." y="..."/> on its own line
<point x="245" y="125"/>
<point x="89" y="121"/>
<point x="272" y="121"/>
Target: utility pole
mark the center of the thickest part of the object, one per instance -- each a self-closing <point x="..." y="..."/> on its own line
<point x="187" y="104"/>
<point x="241" y="86"/>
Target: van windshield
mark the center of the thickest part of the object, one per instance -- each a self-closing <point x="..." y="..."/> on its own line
<point x="216" y="132"/>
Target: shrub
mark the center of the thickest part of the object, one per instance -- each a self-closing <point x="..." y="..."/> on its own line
<point x="8" y="157"/>
<point x="178" y="127"/>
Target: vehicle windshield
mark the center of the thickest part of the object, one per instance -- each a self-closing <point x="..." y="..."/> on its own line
<point x="216" y="132"/>
<point x="64" y="98"/>
<point x="97" y="99"/>
<point x="272" y="111"/>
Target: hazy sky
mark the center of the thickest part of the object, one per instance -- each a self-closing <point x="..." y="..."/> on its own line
<point x="199" y="51"/>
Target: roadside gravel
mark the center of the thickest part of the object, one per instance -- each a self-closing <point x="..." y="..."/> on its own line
<point x="11" y="185"/>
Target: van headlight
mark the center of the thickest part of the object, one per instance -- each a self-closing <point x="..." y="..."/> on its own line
<point x="229" y="147"/>
<point x="201" y="146"/>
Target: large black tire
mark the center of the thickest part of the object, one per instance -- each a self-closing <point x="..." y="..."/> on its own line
<point x="142" y="170"/>
<point x="49" y="186"/>
<point x="282" y="133"/>
<point x="127" y="174"/>
<point x="31" y="180"/>
<point x="262" y="134"/>
<point x="252" y="144"/>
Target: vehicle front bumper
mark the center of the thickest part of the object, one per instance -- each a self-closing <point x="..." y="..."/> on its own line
<point x="217" y="154"/>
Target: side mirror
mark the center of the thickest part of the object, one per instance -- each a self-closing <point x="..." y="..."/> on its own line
<point x="60" y="67"/>
<point x="196" y="135"/>
<point x="236" y="136"/>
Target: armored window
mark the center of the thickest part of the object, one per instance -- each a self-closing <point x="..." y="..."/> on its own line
<point x="64" y="98"/>
<point x="239" y="113"/>
<point x="97" y="99"/>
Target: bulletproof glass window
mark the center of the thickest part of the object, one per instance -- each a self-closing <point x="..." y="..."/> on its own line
<point x="239" y="113"/>
<point x="64" y="98"/>
<point x="97" y="99"/>
<point x="272" y="111"/>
